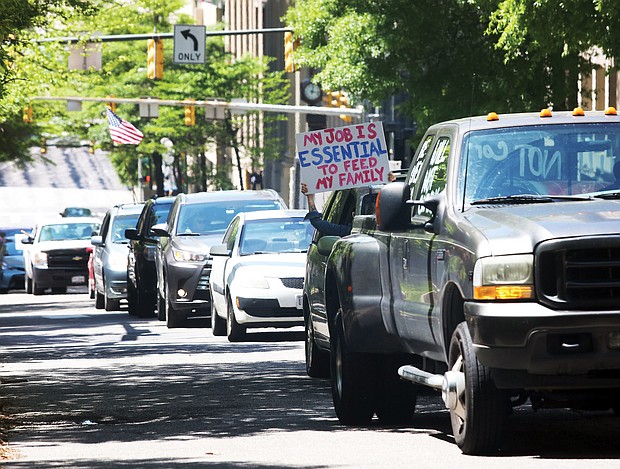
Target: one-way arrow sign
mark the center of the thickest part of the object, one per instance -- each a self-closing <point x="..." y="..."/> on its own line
<point x="189" y="44"/>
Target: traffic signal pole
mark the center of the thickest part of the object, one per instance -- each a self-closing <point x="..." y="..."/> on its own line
<point x="357" y="113"/>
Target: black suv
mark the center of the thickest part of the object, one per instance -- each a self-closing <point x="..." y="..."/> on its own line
<point x="195" y="223"/>
<point x="141" y="274"/>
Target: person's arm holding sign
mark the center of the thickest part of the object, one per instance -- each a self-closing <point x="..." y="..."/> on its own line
<point x="322" y="226"/>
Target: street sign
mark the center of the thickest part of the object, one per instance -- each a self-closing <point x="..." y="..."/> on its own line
<point x="189" y="44"/>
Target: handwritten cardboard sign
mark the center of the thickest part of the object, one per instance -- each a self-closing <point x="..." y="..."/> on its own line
<point x="343" y="157"/>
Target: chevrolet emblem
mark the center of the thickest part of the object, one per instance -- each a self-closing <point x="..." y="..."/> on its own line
<point x="77" y="258"/>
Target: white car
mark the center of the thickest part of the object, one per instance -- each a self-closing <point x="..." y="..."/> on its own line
<point x="55" y="254"/>
<point x="257" y="274"/>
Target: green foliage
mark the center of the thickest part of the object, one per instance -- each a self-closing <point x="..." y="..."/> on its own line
<point x="43" y="71"/>
<point x="453" y="58"/>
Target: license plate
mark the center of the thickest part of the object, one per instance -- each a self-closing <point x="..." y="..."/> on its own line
<point x="299" y="302"/>
<point x="77" y="279"/>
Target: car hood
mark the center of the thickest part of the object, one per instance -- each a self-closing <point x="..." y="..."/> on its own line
<point x="201" y="244"/>
<point x="67" y="244"/>
<point x="519" y="228"/>
<point x="289" y="264"/>
<point x="15" y="262"/>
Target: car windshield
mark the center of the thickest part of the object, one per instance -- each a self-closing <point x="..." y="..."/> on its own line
<point x="68" y="231"/>
<point x="545" y="160"/>
<point x="276" y="235"/>
<point x="214" y="217"/>
<point x="120" y="224"/>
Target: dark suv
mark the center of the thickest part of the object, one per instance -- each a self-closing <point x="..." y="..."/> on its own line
<point x="141" y="274"/>
<point x="195" y="223"/>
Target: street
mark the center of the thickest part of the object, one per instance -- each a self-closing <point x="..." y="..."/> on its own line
<point x="87" y="388"/>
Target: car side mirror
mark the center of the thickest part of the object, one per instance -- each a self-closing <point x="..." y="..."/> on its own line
<point x="220" y="250"/>
<point x="96" y="241"/>
<point x="392" y="213"/>
<point x="326" y="244"/>
<point x="161" y="229"/>
<point x="27" y="240"/>
<point x="132" y="234"/>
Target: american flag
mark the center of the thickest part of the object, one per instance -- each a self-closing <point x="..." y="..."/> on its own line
<point x="122" y="131"/>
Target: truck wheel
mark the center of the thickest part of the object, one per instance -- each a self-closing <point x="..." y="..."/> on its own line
<point x="480" y="410"/>
<point x="99" y="300"/>
<point x="218" y="324"/>
<point x="28" y="285"/>
<point x="317" y="361"/>
<point x="396" y="398"/>
<point x="235" y="331"/>
<point x="352" y="379"/>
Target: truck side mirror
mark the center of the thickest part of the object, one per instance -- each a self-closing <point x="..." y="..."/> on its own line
<point x="433" y="204"/>
<point x="132" y="234"/>
<point x="392" y="213"/>
<point x="325" y="244"/>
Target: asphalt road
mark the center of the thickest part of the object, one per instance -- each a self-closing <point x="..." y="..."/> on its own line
<point x="89" y="389"/>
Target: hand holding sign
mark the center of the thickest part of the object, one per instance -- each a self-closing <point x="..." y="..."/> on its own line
<point x="343" y="157"/>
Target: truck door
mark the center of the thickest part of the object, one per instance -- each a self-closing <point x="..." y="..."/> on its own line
<point x="413" y="259"/>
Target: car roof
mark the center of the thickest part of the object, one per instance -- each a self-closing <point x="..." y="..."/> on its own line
<point x="128" y="209"/>
<point x="219" y="196"/>
<point x="271" y="214"/>
<point x="527" y="119"/>
<point x="69" y="220"/>
<point x="161" y="200"/>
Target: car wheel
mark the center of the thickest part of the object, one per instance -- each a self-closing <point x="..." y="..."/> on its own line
<point x="479" y="411"/>
<point x="131" y="299"/>
<point x="396" y="398"/>
<point x="173" y="318"/>
<point x="111" y="304"/>
<point x="161" y="307"/>
<point x="352" y="381"/>
<point x="99" y="300"/>
<point x="218" y="324"/>
<point x="234" y="330"/>
<point x="144" y="305"/>
<point x="317" y="361"/>
<point x="28" y="285"/>
<point x="36" y="289"/>
<point x="4" y="291"/>
<point x="92" y="293"/>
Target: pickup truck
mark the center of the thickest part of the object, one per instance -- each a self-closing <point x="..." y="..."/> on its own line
<point x="493" y="275"/>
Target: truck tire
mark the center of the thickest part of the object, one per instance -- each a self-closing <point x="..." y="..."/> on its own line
<point x="36" y="289"/>
<point x="352" y="381"/>
<point x="218" y="324"/>
<point x="317" y="361"/>
<point x="234" y="330"/>
<point x="28" y="285"/>
<point x="396" y="398"/>
<point x="132" y="306"/>
<point x="99" y="300"/>
<point x="481" y="408"/>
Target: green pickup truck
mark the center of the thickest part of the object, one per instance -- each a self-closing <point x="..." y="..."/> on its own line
<point x="492" y="274"/>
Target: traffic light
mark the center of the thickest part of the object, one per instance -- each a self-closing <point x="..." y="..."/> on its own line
<point x="327" y="99"/>
<point x="341" y="100"/>
<point x="111" y="105"/>
<point x="28" y="115"/>
<point x="155" y="59"/>
<point x="290" y="45"/>
<point x="190" y="115"/>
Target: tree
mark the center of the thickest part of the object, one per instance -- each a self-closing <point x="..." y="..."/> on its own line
<point x="123" y="74"/>
<point x="17" y="22"/>
<point x="443" y="55"/>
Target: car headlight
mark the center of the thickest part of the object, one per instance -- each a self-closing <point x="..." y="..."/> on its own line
<point x="39" y="259"/>
<point x="188" y="256"/>
<point x="117" y="261"/>
<point x="504" y="278"/>
<point x="250" y="279"/>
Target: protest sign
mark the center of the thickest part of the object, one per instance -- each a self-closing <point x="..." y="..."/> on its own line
<point x="343" y="157"/>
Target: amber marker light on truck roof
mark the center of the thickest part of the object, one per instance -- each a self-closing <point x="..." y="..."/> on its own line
<point x="545" y="112"/>
<point x="578" y="112"/>
<point x="492" y="116"/>
<point x="611" y="111"/>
